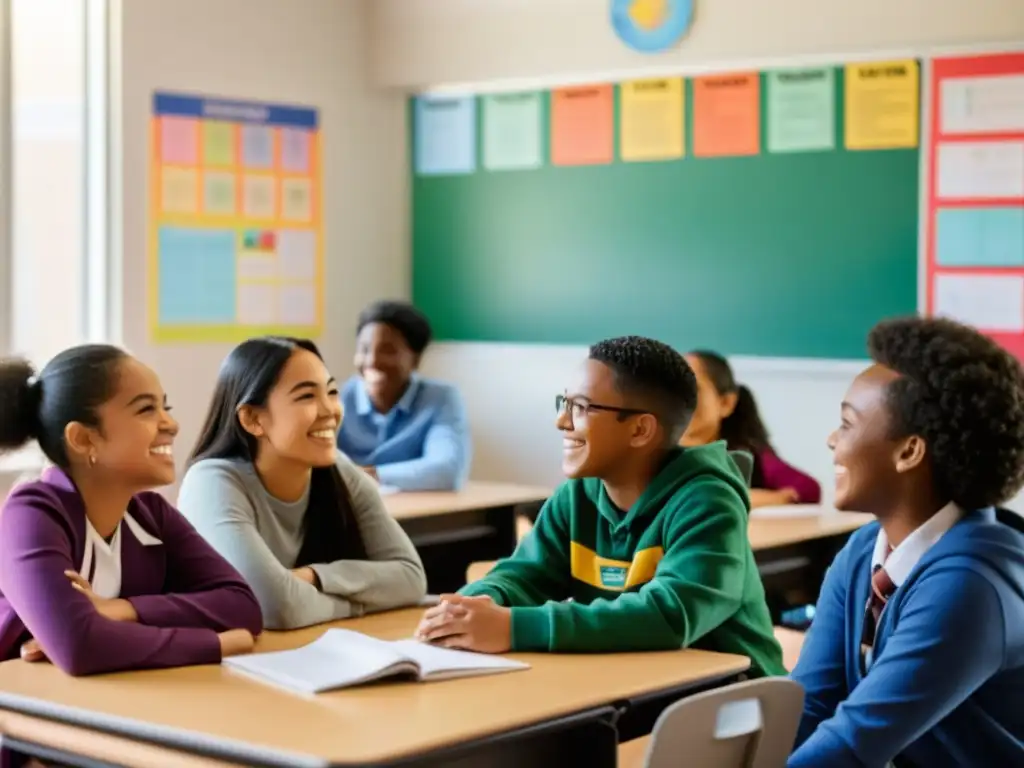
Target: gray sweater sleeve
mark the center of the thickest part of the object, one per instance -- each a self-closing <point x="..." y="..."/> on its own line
<point x="393" y="574"/>
<point x="214" y="499"/>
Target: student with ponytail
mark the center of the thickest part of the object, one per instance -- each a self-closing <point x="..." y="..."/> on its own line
<point x="97" y="572"/>
<point x="726" y="410"/>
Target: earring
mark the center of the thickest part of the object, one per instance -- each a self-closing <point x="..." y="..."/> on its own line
<point x="92" y="459"/>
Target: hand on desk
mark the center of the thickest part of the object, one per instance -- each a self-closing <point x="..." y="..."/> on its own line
<point x="235" y="642"/>
<point x="467" y="623"/>
<point x="31" y="651"/>
<point x="114" y="609"/>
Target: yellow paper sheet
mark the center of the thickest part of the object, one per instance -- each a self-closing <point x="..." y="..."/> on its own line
<point x="882" y="105"/>
<point x="652" y="119"/>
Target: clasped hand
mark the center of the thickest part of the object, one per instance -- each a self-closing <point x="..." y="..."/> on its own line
<point x="467" y="623"/>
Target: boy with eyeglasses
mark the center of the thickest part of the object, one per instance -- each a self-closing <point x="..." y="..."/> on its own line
<point x="644" y="548"/>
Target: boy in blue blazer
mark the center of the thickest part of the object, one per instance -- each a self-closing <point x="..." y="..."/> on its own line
<point x="916" y="654"/>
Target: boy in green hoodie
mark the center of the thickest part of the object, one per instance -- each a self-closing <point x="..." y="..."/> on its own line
<point x="644" y="548"/>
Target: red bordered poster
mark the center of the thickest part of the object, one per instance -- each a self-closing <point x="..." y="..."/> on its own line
<point x="974" y="246"/>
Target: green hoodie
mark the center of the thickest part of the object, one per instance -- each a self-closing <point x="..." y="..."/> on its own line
<point x="674" y="571"/>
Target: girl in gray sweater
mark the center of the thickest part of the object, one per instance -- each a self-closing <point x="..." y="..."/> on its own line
<point x="267" y="489"/>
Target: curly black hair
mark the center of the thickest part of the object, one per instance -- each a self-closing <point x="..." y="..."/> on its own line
<point x="964" y="395"/>
<point x="403" y="317"/>
<point x="654" y="376"/>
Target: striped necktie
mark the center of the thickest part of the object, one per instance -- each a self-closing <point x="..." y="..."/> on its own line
<point x="882" y="588"/>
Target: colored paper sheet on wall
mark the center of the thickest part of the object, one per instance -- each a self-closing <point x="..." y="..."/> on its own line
<point x="988" y="302"/>
<point x="801" y="110"/>
<point x="512" y="131"/>
<point x="882" y="103"/>
<point x="973" y="105"/>
<point x="979" y="237"/>
<point x="987" y="170"/>
<point x="726" y="115"/>
<point x="445" y="138"/>
<point x="235" y="233"/>
<point x="582" y="125"/>
<point x="652" y="119"/>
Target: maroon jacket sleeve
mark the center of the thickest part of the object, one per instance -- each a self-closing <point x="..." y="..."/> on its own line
<point x="777" y="475"/>
<point x="35" y="550"/>
<point x="201" y="589"/>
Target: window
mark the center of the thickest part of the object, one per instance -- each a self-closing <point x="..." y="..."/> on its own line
<point x="53" y="174"/>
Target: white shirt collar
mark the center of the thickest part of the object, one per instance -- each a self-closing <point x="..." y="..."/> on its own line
<point x="101" y="560"/>
<point x="908" y="554"/>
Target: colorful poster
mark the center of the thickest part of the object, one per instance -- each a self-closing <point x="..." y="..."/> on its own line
<point x="882" y="105"/>
<point x="974" y="206"/>
<point x="512" y="131"/>
<point x="583" y="125"/>
<point x="445" y="142"/>
<point x="230" y="218"/>
<point x="652" y="119"/>
<point x="727" y="115"/>
<point x="801" y="110"/>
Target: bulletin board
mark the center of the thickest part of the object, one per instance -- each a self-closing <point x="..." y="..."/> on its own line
<point x="974" y="259"/>
<point x="235" y="230"/>
<point x="772" y="213"/>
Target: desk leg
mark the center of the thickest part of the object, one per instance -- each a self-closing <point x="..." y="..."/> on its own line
<point x="448" y="544"/>
<point x="586" y="739"/>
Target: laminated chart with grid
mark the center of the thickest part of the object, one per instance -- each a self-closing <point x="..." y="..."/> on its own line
<point x="235" y="235"/>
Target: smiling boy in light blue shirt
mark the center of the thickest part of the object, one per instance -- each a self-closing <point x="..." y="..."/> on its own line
<point x="407" y="431"/>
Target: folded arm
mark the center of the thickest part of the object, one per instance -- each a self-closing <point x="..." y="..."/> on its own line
<point x="202" y="589"/>
<point x="446" y="451"/>
<point x="393" y="575"/>
<point x="35" y="551"/>
<point x="697" y="585"/>
<point x="223" y="514"/>
<point x="928" y="667"/>
<point x="538" y="570"/>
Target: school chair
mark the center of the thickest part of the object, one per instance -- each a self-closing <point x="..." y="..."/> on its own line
<point x="747" y="725"/>
<point x="477" y="571"/>
<point x="744" y="463"/>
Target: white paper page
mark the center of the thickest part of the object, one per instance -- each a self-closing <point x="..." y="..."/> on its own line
<point x="440" y="663"/>
<point x="982" y="104"/>
<point x="339" y="658"/>
<point x="981" y="169"/>
<point x="988" y="302"/>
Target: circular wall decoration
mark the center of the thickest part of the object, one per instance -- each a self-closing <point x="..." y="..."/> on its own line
<point x="651" y="26"/>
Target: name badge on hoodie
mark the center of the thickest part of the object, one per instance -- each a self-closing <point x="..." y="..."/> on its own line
<point x="613" y="576"/>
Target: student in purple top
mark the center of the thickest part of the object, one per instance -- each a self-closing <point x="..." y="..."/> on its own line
<point x="726" y="410"/>
<point x="97" y="573"/>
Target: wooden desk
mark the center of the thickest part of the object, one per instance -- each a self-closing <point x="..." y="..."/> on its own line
<point x="566" y="707"/>
<point x="453" y="529"/>
<point x="794" y="552"/>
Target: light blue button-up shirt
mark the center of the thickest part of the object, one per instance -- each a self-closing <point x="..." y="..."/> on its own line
<point x="422" y="444"/>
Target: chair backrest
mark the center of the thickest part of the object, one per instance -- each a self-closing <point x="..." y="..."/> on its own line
<point x="745" y="463"/>
<point x="746" y="725"/>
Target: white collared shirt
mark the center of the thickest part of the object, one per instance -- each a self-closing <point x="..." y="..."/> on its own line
<point x="908" y="554"/>
<point x="101" y="561"/>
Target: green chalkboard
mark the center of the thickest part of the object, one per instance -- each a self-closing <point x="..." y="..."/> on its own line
<point x="781" y="255"/>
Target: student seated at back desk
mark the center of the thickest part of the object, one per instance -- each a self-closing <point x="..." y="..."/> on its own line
<point x="408" y="432"/>
<point x="98" y="573"/>
<point x="268" y="489"/>
<point x="647" y="539"/>
<point x="727" y="411"/>
<point x="916" y="653"/>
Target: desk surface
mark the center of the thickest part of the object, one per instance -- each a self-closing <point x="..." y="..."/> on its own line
<point x="768" y="532"/>
<point x="358" y="725"/>
<point x="475" y="495"/>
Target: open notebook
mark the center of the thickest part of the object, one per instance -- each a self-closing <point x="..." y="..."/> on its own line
<point x="341" y="658"/>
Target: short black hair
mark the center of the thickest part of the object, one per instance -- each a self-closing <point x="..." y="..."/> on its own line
<point x="70" y="388"/>
<point x="964" y="395"/>
<point x="654" y="376"/>
<point x="403" y="317"/>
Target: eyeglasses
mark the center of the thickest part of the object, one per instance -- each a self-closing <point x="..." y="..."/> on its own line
<point x="578" y="409"/>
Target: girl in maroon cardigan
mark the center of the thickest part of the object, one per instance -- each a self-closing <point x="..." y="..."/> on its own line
<point x="97" y="572"/>
<point x="727" y="411"/>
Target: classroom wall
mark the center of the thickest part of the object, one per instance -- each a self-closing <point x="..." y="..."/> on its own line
<point x="509" y="388"/>
<point x="421" y="43"/>
<point x="312" y="53"/>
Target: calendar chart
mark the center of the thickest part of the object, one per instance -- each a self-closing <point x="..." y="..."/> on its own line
<point x="235" y="232"/>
